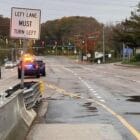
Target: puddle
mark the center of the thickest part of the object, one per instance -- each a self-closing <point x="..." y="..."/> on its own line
<point x="134" y="98"/>
<point x="87" y="104"/>
<point x="92" y="108"/>
<point x="84" y="116"/>
<point x="50" y="98"/>
<point x="132" y="113"/>
<point x="89" y="107"/>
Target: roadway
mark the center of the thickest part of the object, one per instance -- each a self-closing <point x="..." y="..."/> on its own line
<point x="8" y="79"/>
<point x="100" y="100"/>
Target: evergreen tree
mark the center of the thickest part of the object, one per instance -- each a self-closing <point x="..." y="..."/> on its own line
<point x="128" y="31"/>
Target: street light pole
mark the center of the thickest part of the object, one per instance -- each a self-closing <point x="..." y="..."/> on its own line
<point x="103" y="46"/>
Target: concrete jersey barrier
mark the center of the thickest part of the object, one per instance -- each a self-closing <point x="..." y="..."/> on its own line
<point x="13" y="116"/>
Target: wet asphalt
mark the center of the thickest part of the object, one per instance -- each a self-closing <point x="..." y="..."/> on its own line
<point x="114" y="86"/>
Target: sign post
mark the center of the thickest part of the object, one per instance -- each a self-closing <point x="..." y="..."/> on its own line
<point x="25" y="24"/>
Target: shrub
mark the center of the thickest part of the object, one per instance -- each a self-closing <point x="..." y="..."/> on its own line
<point x="133" y="59"/>
<point x="137" y="57"/>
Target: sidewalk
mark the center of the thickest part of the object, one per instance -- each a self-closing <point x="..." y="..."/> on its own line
<point x="73" y="132"/>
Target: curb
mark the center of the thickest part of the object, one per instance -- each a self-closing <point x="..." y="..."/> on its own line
<point x="129" y="66"/>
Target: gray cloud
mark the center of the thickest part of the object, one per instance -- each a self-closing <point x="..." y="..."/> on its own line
<point x="103" y="10"/>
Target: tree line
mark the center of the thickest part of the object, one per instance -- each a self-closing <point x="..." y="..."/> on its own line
<point x="83" y="32"/>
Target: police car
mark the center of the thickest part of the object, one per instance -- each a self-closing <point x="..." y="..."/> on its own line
<point x="29" y="65"/>
<point x="42" y="68"/>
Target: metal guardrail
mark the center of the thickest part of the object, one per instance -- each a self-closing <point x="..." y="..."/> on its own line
<point x="5" y="95"/>
<point x="17" y="99"/>
<point x="31" y="93"/>
<point x="32" y="96"/>
<point x="14" y="115"/>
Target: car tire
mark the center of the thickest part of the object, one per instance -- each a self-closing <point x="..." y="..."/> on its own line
<point x="38" y="75"/>
<point x="44" y="73"/>
<point x="19" y="75"/>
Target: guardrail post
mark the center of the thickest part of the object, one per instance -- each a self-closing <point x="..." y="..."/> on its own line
<point x="32" y="95"/>
<point x="2" y="98"/>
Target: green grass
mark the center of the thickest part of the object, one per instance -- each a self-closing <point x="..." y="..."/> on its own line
<point x="131" y="63"/>
<point x="72" y="56"/>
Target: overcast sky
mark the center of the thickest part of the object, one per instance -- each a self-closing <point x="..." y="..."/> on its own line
<point x="106" y="11"/>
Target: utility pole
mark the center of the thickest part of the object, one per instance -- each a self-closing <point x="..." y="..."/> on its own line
<point x="55" y="47"/>
<point x="12" y="54"/>
<point x="103" y="45"/>
<point x="123" y="51"/>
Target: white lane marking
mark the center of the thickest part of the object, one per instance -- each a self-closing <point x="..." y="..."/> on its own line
<point x="91" y="89"/>
<point x="133" y="130"/>
<point x="102" y="100"/>
<point x="87" y="85"/>
<point x="99" y="97"/>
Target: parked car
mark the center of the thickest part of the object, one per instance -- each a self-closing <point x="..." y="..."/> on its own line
<point x="8" y="64"/>
<point x="42" y="68"/>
